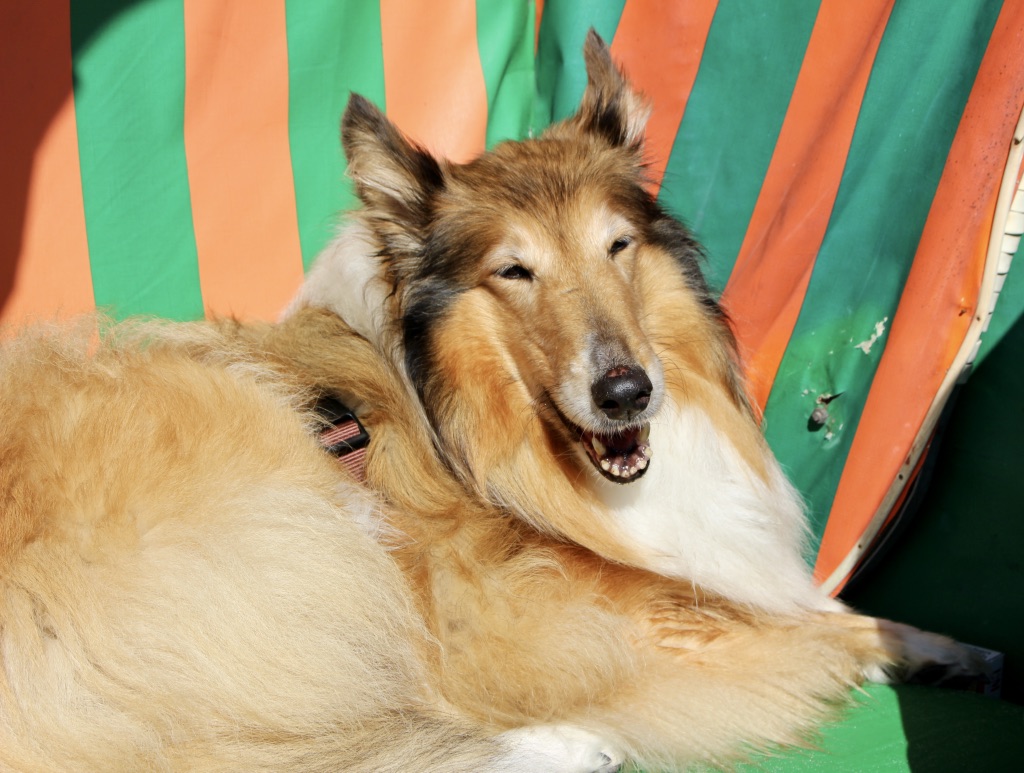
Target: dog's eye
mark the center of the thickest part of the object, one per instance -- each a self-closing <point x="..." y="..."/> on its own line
<point x="619" y="245"/>
<point x="514" y="271"/>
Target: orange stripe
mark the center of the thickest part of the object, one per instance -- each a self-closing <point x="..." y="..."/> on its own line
<point x="433" y="80"/>
<point x="660" y="48"/>
<point x="941" y="294"/>
<point x="539" y="11"/>
<point x="44" y="255"/>
<point x="769" y="282"/>
<point x="239" y="165"/>
<point x="872" y="541"/>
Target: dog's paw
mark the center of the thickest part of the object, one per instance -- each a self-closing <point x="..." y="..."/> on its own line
<point x="562" y="749"/>
<point x="929" y="658"/>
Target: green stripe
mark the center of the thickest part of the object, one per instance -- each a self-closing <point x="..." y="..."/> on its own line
<point x="504" y="33"/>
<point x="561" y="76"/>
<point x="129" y="69"/>
<point x="334" y="48"/>
<point x="920" y="83"/>
<point x="733" y="118"/>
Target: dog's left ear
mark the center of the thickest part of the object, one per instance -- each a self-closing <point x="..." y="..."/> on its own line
<point x="610" y="107"/>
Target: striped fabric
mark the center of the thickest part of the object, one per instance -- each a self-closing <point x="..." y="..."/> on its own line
<point x="842" y="162"/>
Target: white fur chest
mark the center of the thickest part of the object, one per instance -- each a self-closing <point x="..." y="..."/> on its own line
<point x="701" y="514"/>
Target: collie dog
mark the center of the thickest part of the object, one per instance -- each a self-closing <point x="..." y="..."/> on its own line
<point x="570" y="548"/>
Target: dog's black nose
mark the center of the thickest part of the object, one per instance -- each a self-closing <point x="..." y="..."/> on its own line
<point x="622" y="392"/>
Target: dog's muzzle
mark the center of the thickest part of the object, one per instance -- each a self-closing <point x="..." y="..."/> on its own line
<point x="621" y="394"/>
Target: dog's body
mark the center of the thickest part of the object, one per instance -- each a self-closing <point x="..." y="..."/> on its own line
<point x="189" y="582"/>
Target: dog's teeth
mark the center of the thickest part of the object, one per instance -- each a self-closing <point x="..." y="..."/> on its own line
<point x="646" y="451"/>
<point x="645" y="433"/>
<point x="598" y="446"/>
<point x="605" y="465"/>
<point x="615" y="471"/>
<point x="641" y="463"/>
<point x="632" y="471"/>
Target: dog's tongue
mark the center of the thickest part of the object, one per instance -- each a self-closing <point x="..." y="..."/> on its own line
<point x="620" y="444"/>
<point x="622" y="456"/>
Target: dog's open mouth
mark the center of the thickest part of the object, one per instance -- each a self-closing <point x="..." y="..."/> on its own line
<point x="621" y="457"/>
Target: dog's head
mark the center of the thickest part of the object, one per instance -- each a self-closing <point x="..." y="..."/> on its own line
<point x="539" y="291"/>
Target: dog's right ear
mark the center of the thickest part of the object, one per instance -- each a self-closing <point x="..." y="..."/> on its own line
<point x="394" y="178"/>
<point x="610" y="108"/>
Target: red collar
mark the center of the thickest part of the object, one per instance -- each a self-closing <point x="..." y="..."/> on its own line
<point x="344" y="436"/>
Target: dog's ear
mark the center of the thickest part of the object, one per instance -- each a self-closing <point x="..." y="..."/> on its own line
<point x="610" y="107"/>
<point x="394" y="178"/>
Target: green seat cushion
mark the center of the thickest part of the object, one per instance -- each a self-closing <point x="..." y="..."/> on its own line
<point x="910" y="728"/>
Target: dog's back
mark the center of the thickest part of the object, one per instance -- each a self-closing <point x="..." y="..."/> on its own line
<point x="180" y="586"/>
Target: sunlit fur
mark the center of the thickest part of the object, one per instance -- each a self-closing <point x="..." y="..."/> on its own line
<point x="187" y="582"/>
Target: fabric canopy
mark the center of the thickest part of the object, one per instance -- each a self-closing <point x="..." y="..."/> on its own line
<point x="850" y="167"/>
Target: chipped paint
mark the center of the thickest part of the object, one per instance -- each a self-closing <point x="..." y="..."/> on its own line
<point x="865" y="346"/>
